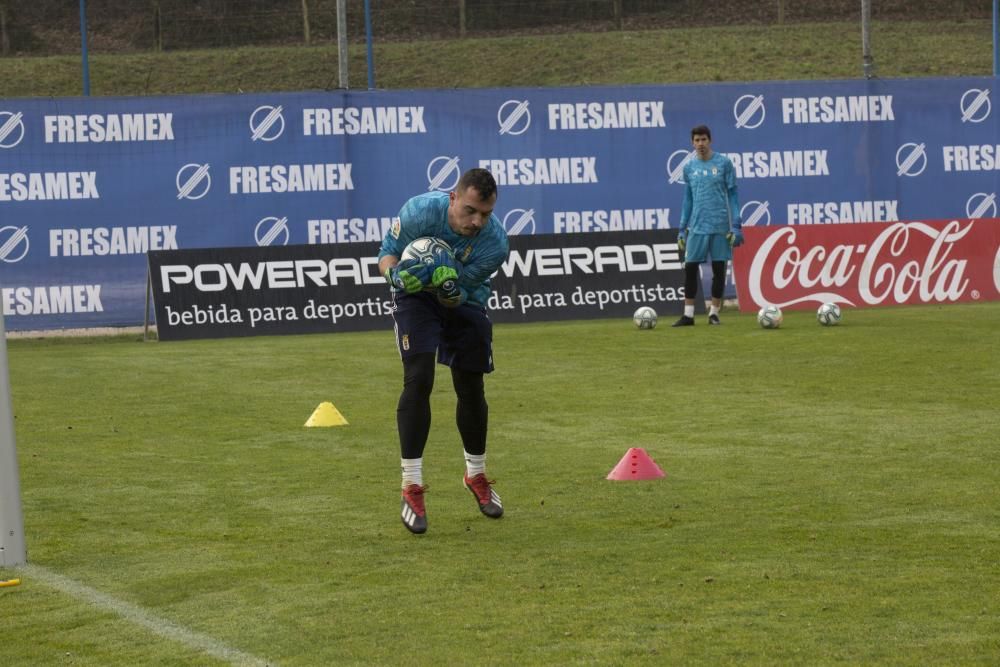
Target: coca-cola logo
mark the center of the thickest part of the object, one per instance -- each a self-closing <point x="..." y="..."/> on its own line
<point x="996" y="270"/>
<point x="906" y="260"/>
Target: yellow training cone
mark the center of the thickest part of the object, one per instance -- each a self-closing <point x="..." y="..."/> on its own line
<point x="326" y="415"/>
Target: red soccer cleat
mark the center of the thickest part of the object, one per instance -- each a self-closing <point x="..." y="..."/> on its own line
<point x="413" y="513"/>
<point x="486" y="496"/>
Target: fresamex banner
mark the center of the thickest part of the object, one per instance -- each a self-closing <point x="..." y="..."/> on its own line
<point x="919" y="262"/>
<point x="88" y="186"/>
<point x="220" y="292"/>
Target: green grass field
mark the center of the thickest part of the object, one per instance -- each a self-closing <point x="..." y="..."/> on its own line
<point x="787" y="52"/>
<point x="830" y="498"/>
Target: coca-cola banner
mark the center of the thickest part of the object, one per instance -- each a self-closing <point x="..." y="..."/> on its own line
<point x="935" y="261"/>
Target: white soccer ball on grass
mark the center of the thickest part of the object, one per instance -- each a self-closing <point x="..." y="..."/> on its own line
<point x="828" y="314"/>
<point x="644" y="318"/>
<point x="770" y="317"/>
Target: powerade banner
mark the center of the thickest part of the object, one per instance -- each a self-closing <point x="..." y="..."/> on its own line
<point x="88" y="186"/>
<point x="212" y="293"/>
<point x="870" y="265"/>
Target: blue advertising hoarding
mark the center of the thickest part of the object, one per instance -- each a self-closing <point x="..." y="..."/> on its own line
<point x="89" y="185"/>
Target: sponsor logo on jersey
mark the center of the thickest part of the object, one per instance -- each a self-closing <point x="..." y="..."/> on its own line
<point x="48" y="186"/>
<point x="271" y="231"/>
<point x="815" y="213"/>
<point x="519" y="221"/>
<point x="443" y="173"/>
<point x="911" y="159"/>
<point x="112" y="127"/>
<point x="263" y="179"/>
<point x="11" y="128"/>
<point x="606" y="115"/>
<point x="51" y="299"/>
<point x="266" y="123"/>
<point x="839" y="109"/>
<point x="351" y="230"/>
<point x="981" y="205"/>
<point x="749" y="111"/>
<point x="514" y="117"/>
<point x="565" y="222"/>
<point x="14" y="243"/>
<point x="984" y="157"/>
<point x="363" y="120"/>
<point x="975" y="105"/>
<point x="88" y="242"/>
<point x="542" y="171"/>
<point x="780" y="164"/>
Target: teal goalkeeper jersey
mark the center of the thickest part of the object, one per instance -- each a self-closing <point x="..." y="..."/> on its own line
<point x="710" y="196"/>
<point x="480" y="255"/>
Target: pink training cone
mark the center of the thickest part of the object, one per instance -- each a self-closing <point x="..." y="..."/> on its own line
<point x="636" y="464"/>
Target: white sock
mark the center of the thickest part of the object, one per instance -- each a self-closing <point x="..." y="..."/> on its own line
<point x="475" y="464"/>
<point x="689" y="310"/>
<point x="713" y="310"/>
<point x="413" y="471"/>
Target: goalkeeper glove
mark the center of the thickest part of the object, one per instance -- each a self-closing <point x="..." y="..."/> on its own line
<point x="735" y="238"/>
<point x="410" y="275"/>
<point x="450" y="294"/>
<point x="445" y="269"/>
<point x="682" y="239"/>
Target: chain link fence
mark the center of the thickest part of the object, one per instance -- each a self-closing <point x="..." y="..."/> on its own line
<point x="46" y="27"/>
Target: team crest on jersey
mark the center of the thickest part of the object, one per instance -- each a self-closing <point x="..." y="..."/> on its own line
<point x="465" y="254"/>
<point x="396" y="224"/>
<point x="715" y="171"/>
<point x="406" y="341"/>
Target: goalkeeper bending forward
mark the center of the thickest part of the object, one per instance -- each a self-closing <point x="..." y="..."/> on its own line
<point x="710" y="222"/>
<point x="441" y="309"/>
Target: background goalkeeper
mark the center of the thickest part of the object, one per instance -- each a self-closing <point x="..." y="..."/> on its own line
<point x="710" y="222"/>
<point x="441" y="309"/>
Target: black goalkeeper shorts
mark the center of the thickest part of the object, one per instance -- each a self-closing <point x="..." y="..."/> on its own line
<point x="462" y="336"/>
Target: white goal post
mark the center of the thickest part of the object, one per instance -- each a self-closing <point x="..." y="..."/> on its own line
<point x="12" y="550"/>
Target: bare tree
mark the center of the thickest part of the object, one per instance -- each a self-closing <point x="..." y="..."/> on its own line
<point x="4" y="38"/>
<point x="157" y="26"/>
<point x="305" y="20"/>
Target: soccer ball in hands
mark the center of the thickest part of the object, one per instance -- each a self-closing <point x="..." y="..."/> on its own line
<point x="828" y="314"/>
<point x="424" y="249"/>
<point x="770" y="317"/>
<point x="644" y="318"/>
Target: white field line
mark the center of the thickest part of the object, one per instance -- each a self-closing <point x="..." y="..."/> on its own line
<point x="139" y="616"/>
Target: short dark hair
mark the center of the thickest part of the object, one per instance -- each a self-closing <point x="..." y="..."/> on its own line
<point x="701" y="129"/>
<point x="481" y="180"/>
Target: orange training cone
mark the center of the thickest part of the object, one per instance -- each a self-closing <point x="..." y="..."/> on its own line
<point x="636" y="464"/>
